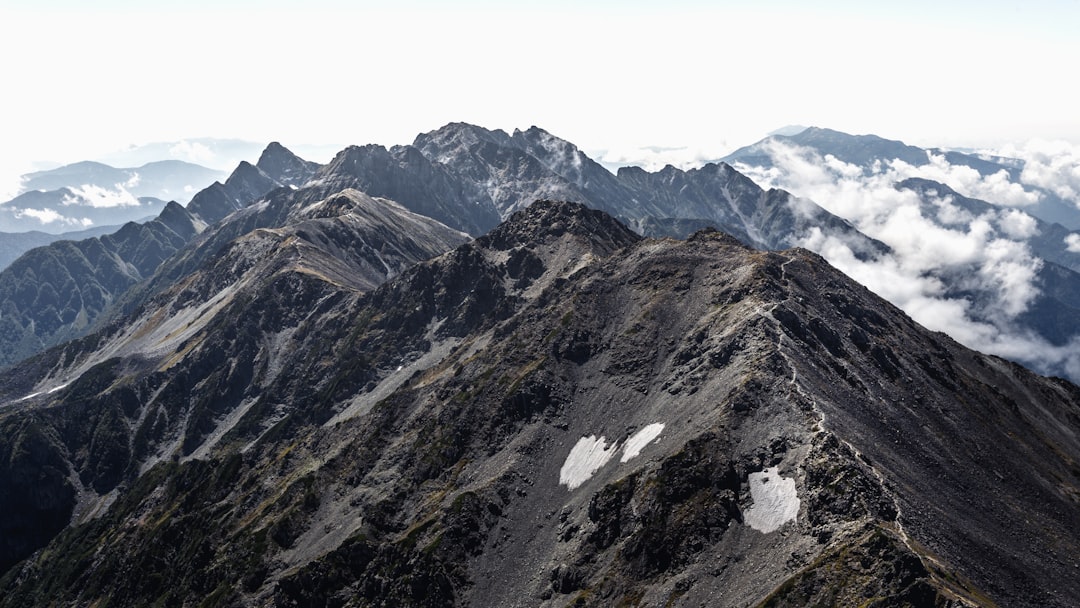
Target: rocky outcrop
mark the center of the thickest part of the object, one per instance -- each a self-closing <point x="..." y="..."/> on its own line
<point x="405" y="175"/>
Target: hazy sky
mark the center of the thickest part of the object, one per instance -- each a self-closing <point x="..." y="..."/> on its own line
<point x="80" y="80"/>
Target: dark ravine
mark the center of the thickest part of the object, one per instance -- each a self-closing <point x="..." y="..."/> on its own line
<point x="428" y="442"/>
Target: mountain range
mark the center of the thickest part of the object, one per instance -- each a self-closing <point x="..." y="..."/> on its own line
<point x="84" y="194"/>
<point x="470" y="178"/>
<point x="391" y="380"/>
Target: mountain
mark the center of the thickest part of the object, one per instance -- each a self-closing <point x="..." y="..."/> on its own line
<point x="405" y="175"/>
<point x="14" y="244"/>
<point x="559" y="412"/>
<point x="870" y="152"/>
<point x="859" y="150"/>
<point x="164" y="179"/>
<point x="60" y="291"/>
<point x="512" y="170"/>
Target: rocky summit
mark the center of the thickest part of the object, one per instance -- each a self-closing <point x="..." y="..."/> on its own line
<point x="560" y="412"/>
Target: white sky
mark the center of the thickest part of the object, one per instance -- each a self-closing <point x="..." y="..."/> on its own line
<point x="79" y="82"/>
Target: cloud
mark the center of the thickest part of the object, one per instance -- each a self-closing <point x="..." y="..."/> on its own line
<point x="655" y="158"/>
<point x="1053" y="165"/>
<point x="192" y="152"/>
<point x="970" y="276"/>
<point x="1072" y="242"/>
<point x="50" y="216"/>
<point x="996" y="188"/>
<point x="97" y="197"/>
<point x="1017" y="224"/>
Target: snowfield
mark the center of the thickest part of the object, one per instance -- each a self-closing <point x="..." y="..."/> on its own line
<point x="776" y="501"/>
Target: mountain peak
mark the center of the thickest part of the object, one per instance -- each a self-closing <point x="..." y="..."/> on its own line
<point x="546" y="219"/>
<point x="279" y="163"/>
<point x="461" y="133"/>
<point x="274" y="151"/>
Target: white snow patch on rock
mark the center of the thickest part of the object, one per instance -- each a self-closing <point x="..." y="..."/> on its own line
<point x="57" y="388"/>
<point x="589" y="454"/>
<point x="640" y="439"/>
<point x="776" y="501"/>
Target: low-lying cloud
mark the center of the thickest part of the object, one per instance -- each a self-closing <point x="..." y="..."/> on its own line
<point x="50" y="216"/>
<point x="968" y="275"/>
<point x="655" y="158"/>
<point x="996" y="188"/>
<point x="1053" y="165"/>
<point x="97" y="197"/>
<point x="192" y="152"/>
<point x="1072" y="243"/>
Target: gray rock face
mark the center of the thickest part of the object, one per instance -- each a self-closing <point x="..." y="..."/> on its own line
<point x="56" y="292"/>
<point x="405" y="175"/>
<point x="557" y="413"/>
<point x="287" y="168"/>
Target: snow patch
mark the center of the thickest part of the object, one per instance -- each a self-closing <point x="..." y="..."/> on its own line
<point x="776" y="501"/>
<point x="39" y="393"/>
<point x="640" y="439"/>
<point x="589" y="454"/>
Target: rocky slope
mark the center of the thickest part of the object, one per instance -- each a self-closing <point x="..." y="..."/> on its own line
<point x="227" y="328"/>
<point x="403" y="174"/>
<point x="558" y="413"/>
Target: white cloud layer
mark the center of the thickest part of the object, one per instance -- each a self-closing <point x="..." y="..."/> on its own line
<point x="996" y="188"/>
<point x="1053" y="165"/>
<point x="1072" y="243"/>
<point x="655" y="158"/>
<point x="50" y="216"/>
<point x="192" y="152"/>
<point x="101" y="198"/>
<point x="967" y="275"/>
